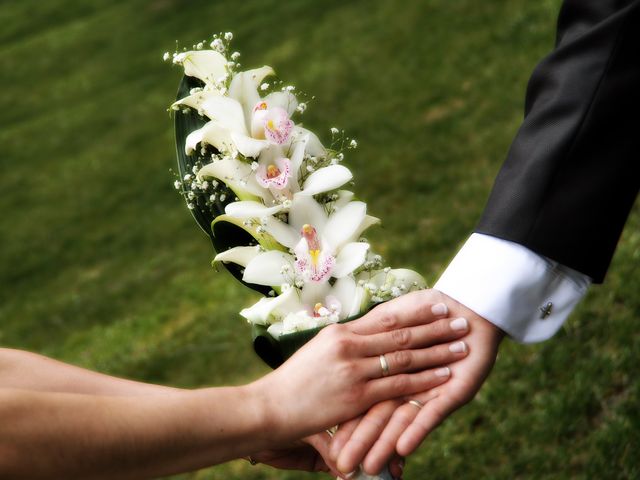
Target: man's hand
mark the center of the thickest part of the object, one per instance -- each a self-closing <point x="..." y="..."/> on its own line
<point x="398" y="426"/>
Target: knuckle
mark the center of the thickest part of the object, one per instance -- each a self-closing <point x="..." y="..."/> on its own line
<point x="388" y="319"/>
<point x="343" y="344"/>
<point x="401" y="337"/>
<point x="332" y="330"/>
<point x="402" y="359"/>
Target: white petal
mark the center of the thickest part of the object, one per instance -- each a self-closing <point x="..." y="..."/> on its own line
<point x="397" y="277"/>
<point x="235" y="174"/>
<point x="314" y="292"/>
<point x="284" y="100"/>
<point x="250" y="209"/>
<point x="239" y="255"/>
<point x="305" y="210"/>
<point x="211" y="133"/>
<point x="298" y="146"/>
<point x="207" y="65"/>
<point x="265" y="269"/>
<point x="244" y="88"/>
<point x="351" y="256"/>
<point x="197" y="99"/>
<point x="248" y="146"/>
<point x="282" y="232"/>
<point x="276" y="329"/>
<point x="343" y="225"/>
<point x="344" y="197"/>
<point x="226" y="111"/>
<point x="314" y="146"/>
<point x="358" y="305"/>
<point x="345" y="290"/>
<point x="326" y="179"/>
<point x="192" y="141"/>
<point x="260" y="312"/>
<point x="368" y="221"/>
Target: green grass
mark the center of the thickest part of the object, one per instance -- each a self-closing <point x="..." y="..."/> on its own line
<point x="102" y="266"/>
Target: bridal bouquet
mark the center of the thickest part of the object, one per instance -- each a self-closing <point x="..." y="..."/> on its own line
<point x="275" y="201"/>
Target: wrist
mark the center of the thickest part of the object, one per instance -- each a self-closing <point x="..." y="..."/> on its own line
<point x="266" y="411"/>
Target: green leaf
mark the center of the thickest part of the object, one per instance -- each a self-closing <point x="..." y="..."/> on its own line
<point x="228" y="234"/>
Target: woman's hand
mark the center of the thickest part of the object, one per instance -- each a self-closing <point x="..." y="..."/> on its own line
<point x="339" y="374"/>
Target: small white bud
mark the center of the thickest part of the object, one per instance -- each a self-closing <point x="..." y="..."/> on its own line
<point x="264" y="86"/>
<point x="166" y="56"/>
<point x="235" y="56"/>
<point x="177" y="184"/>
<point x="334" y="131"/>
<point x="353" y="144"/>
<point x="217" y="45"/>
<point x="228" y="36"/>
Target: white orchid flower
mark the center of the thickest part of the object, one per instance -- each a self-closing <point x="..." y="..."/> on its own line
<point x="324" y="245"/>
<point x="316" y="305"/>
<point x="241" y="120"/>
<point x="207" y="65"/>
<point x="279" y="174"/>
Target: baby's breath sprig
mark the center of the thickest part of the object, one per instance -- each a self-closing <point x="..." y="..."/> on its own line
<point x="206" y="195"/>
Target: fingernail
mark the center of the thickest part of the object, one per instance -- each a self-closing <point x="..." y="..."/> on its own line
<point x="349" y="475"/>
<point x="459" y="324"/>
<point x="443" y="372"/>
<point x="458" y="347"/>
<point x="439" y="309"/>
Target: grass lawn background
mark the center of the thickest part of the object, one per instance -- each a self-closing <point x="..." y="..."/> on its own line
<point x="102" y="266"/>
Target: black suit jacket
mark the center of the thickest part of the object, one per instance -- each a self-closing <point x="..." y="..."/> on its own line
<point x="573" y="171"/>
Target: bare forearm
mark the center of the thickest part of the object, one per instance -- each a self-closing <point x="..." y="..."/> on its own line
<point x="29" y="371"/>
<point x="61" y="435"/>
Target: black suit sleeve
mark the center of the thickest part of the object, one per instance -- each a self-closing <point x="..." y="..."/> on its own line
<point x="572" y="173"/>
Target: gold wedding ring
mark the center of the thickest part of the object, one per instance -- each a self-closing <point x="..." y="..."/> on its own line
<point x="384" y="365"/>
<point x="416" y="403"/>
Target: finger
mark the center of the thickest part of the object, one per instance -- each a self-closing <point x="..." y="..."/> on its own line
<point x="439" y="331"/>
<point x="385" y="446"/>
<point x="341" y="437"/>
<point x="403" y="361"/>
<point x="433" y="413"/>
<point x="415" y="308"/>
<point x="321" y="443"/>
<point x="365" y="435"/>
<point x="405" y="384"/>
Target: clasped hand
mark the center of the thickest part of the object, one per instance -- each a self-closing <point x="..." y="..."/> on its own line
<point x="419" y="335"/>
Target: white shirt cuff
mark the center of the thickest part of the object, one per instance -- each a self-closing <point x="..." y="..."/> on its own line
<point x="526" y="295"/>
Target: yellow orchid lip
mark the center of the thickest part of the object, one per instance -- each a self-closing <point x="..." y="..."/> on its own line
<point x="272" y="171"/>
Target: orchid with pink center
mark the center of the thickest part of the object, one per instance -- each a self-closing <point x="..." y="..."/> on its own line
<point x="241" y="120"/>
<point x="316" y="305"/>
<point x="273" y="185"/>
<point x="324" y="246"/>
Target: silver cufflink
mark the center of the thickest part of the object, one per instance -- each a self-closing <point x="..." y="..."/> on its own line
<point x="545" y="311"/>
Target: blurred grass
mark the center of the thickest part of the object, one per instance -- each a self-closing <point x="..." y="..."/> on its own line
<point x="102" y="265"/>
